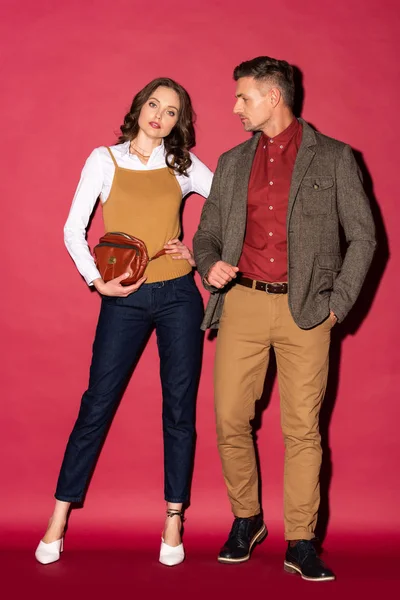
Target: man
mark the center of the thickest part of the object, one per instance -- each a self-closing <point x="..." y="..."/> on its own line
<point x="268" y="249"/>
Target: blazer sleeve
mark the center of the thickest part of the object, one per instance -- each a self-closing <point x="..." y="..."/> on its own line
<point x="207" y="241"/>
<point x="358" y="225"/>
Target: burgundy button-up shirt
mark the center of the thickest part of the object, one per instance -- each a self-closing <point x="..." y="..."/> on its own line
<point x="264" y="254"/>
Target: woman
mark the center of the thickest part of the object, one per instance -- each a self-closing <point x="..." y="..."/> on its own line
<point x="141" y="182"/>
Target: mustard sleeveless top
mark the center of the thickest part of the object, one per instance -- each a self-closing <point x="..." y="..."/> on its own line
<point x="147" y="204"/>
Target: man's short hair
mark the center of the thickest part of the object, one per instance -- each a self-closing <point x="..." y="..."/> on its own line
<point x="264" y="68"/>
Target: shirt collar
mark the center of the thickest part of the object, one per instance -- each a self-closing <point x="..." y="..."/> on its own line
<point x="283" y="138"/>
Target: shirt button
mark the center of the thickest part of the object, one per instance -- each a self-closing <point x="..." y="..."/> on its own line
<point x="271" y="159"/>
<point x="281" y="147"/>
<point x="271" y="260"/>
<point x="271" y="141"/>
<point x="271" y="183"/>
<point x="270" y="234"/>
<point x="270" y="207"/>
<point x="264" y="147"/>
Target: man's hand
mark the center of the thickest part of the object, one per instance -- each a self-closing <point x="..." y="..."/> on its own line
<point x="114" y="287"/>
<point x="220" y="274"/>
<point x="333" y="318"/>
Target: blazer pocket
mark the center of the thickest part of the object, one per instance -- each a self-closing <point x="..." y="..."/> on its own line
<point x="326" y="269"/>
<point x="316" y="195"/>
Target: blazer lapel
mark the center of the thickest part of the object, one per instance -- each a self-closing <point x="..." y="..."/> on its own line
<point x="238" y="211"/>
<point x="305" y="155"/>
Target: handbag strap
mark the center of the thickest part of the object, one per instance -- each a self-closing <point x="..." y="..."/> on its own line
<point x="161" y="253"/>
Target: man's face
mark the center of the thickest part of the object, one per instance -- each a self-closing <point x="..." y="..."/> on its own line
<point x="253" y="105"/>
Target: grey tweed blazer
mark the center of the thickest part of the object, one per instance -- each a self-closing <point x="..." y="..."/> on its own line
<point x="326" y="193"/>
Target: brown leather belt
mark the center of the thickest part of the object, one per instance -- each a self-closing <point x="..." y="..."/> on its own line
<point x="269" y="288"/>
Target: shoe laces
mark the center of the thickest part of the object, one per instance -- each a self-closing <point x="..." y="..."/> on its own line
<point x="239" y="528"/>
<point x="305" y="549"/>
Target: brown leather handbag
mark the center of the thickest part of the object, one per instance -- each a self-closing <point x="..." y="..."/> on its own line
<point x="118" y="253"/>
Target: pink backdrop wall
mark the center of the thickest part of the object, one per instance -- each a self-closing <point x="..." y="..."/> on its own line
<point x="69" y="72"/>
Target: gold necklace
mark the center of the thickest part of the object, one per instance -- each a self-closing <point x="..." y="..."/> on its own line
<point x="140" y="153"/>
<point x="145" y="156"/>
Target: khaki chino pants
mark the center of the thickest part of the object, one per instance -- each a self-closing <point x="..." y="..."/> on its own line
<point x="252" y="321"/>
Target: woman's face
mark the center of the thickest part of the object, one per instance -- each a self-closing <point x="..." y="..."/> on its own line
<point x="159" y="114"/>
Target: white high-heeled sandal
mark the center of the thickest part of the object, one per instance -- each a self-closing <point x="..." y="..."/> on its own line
<point x="49" y="553"/>
<point x="172" y="555"/>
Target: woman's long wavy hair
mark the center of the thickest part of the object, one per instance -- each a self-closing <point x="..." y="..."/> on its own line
<point x="182" y="137"/>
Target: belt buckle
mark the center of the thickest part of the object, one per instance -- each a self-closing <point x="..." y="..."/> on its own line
<point x="266" y="289"/>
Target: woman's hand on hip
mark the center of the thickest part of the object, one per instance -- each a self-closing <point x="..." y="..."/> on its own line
<point x="114" y="287"/>
<point x="179" y="251"/>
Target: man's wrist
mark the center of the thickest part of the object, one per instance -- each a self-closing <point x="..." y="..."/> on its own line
<point x="205" y="277"/>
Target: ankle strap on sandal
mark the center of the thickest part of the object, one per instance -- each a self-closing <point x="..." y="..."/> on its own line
<point x="172" y="512"/>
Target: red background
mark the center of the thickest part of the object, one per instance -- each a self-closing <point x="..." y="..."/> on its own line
<point x="69" y="72"/>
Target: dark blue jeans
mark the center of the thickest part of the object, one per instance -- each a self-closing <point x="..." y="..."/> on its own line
<point x="175" y="309"/>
